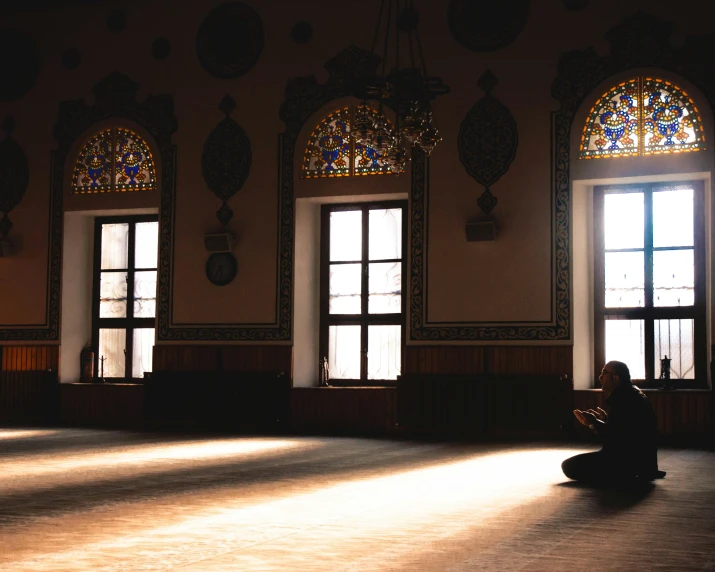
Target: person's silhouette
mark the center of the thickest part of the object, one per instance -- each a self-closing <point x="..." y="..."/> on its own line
<point x="629" y="431"/>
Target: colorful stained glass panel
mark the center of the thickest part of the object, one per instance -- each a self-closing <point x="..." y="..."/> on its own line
<point x="92" y="171"/>
<point x="671" y="122"/>
<point x="114" y="160"/>
<point x="328" y="151"/>
<point x="133" y="163"/>
<point x="612" y="126"/>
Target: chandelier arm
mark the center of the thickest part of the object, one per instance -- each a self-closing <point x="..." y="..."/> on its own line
<point x="419" y="45"/>
<point x="397" y="34"/>
<point x="387" y="36"/>
<point x="377" y="27"/>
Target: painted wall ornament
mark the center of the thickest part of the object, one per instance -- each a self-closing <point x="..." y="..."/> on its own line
<point x="14" y="177"/>
<point x="230" y="40"/>
<point x="487" y="141"/>
<point x="226" y="159"/>
<point x="485" y="26"/>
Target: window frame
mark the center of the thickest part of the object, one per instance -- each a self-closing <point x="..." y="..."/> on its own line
<point x="649" y="313"/>
<point x="364" y="319"/>
<point x="129" y="323"/>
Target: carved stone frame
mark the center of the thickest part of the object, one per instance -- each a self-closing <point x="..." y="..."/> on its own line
<point x="639" y="41"/>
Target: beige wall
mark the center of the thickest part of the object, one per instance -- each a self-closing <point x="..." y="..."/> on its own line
<point x="507" y="280"/>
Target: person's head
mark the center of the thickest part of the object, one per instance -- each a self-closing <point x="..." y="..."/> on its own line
<point x="613" y="374"/>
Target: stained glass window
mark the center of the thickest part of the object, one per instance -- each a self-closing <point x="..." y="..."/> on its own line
<point x="333" y="152"/>
<point x="642" y="116"/>
<point x="112" y="160"/>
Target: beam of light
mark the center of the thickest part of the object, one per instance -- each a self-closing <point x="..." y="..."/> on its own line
<point x="23" y="433"/>
<point x="257" y="531"/>
<point x="20" y="472"/>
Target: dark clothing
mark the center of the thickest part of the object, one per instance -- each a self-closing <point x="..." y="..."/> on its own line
<point x="630" y="448"/>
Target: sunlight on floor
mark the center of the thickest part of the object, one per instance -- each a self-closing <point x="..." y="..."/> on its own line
<point x="24" y="433"/>
<point x="301" y="525"/>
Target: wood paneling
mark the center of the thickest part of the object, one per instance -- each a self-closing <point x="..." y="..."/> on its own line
<point x="268" y="358"/>
<point x="218" y="400"/>
<point x="362" y="410"/>
<point x="102" y="405"/>
<point x="28" y="358"/>
<point x="29" y="396"/>
<point x="489" y="405"/>
<point x="684" y="414"/>
<point x="470" y="360"/>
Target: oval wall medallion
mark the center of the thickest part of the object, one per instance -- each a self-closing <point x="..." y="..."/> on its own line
<point x="226" y="159"/>
<point x="487" y="141"/>
<point x="230" y="40"/>
<point x="19" y="64"/>
<point x="14" y="175"/>
<point x="487" y="26"/>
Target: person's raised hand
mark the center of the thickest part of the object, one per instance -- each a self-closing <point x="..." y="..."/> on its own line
<point x="599" y="414"/>
<point x="584" y="417"/>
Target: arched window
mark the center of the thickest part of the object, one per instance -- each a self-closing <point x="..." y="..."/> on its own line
<point x="332" y="150"/>
<point x="642" y="116"/>
<point x="114" y="159"/>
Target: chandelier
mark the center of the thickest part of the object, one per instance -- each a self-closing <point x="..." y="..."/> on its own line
<point x="407" y="89"/>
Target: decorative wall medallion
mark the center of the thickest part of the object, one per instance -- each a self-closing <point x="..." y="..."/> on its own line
<point x="302" y="32"/>
<point x="14" y="176"/>
<point x="19" y="64"/>
<point x="575" y="5"/>
<point x="487" y="141"/>
<point x="160" y="48"/>
<point x="484" y="26"/>
<point x="230" y="40"/>
<point x="221" y="268"/>
<point x="226" y="160"/>
<point x="71" y="58"/>
<point x="117" y="20"/>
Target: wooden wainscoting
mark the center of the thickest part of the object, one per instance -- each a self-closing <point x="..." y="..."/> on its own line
<point x="27" y="358"/>
<point x="249" y="358"/>
<point x="485" y="406"/>
<point x="683" y="415"/>
<point x="471" y="360"/>
<point x="344" y="410"/>
<point x="29" y="396"/>
<point x="117" y="405"/>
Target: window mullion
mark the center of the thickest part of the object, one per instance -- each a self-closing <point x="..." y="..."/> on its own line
<point x="129" y="344"/>
<point x="649" y="325"/>
<point x="364" y="289"/>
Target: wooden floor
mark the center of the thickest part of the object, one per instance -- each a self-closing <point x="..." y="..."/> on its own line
<point x="86" y="500"/>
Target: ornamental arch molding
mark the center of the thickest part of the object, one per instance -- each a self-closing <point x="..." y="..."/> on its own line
<point x="641" y="41"/>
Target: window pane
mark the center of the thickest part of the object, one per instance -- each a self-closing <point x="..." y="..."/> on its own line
<point x="344" y="352"/>
<point x="147" y="245"/>
<point x="385" y="234"/>
<point x="673" y="217"/>
<point x="624" y="280"/>
<point x="625" y="341"/>
<point x="112" y="345"/>
<point x="115" y="246"/>
<point x="113" y="295"/>
<point x="674" y="339"/>
<point x="142" y="350"/>
<point x="345" y="287"/>
<point x="385" y="287"/>
<point x="345" y="236"/>
<point x="145" y="294"/>
<point x="623" y="220"/>
<point x="673" y="278"/>
<point x="383" y="352"/>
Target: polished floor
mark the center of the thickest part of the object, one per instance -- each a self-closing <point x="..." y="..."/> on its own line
<point x="90" y="500"/>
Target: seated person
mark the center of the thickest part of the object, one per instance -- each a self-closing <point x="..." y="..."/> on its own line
<point x="629" y="432"/>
